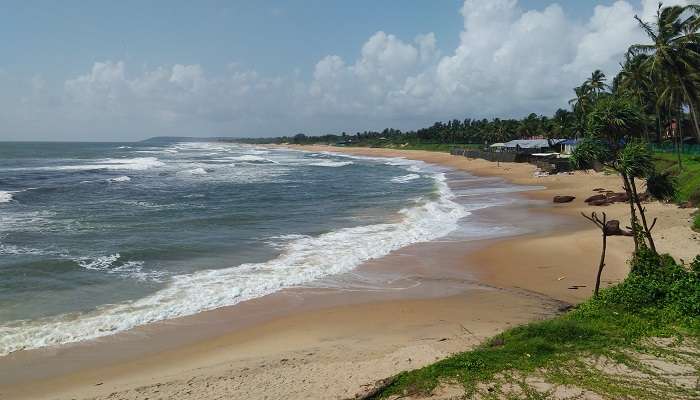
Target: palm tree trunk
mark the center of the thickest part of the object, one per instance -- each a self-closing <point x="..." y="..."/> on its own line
<point x="679" y="137"/>
<point x="658" y="124"/>
<point x="692" y="111"/>
<point x="647" y="231"/>
<point x="633" y="215"/>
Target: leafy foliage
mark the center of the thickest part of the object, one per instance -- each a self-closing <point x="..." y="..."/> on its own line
<point x="588" y="151"/>
<point x="613" y="118"/>
<point x="662" y="186"/>
<point x="657" y="281"/>
<point x="635" y="159"/>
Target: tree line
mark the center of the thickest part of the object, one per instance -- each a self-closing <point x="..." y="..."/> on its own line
<point x="661" y="78"/>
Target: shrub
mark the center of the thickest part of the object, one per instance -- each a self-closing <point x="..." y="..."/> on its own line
<point x="662" y="186"/>
<point x="658" y="281"/>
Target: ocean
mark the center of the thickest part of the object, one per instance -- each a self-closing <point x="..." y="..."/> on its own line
<point x="98" y="238"/>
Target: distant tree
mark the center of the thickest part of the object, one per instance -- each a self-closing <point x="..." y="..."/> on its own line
<point x="674" y="56"/>
<point x="612" y="126"/>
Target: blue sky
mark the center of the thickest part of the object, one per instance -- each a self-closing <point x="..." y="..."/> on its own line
<point x="109" y="70"/>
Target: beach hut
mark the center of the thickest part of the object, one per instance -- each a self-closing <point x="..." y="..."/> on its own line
<point x="529" y="146"/>
<point x="497" y="147"/>
<point x="569" y="145"/>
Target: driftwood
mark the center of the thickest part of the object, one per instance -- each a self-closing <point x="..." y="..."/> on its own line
<point x="608" y="228"/>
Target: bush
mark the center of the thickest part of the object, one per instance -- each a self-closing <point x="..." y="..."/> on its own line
<point x="662" y="186"/>
<point x="658" y="281"/>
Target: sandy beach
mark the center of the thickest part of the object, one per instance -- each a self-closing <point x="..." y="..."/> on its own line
<point x="335" y="344"/>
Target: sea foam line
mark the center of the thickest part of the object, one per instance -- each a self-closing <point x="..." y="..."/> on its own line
<point x="302" y="260"/>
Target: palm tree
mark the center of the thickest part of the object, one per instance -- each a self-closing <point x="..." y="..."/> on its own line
<point x="634" y="80"/>
<point x="671" y="98"/>
<point x="596" y="83"/>
<point x="674" y="54"/>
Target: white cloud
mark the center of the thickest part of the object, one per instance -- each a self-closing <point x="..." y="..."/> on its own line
<point x="509" y="62"/>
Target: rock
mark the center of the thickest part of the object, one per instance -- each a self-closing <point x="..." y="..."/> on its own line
<point x="600" y="203"/>
<point x="595" y="197"/>
<point x="563" y="199"/>
<point x="612" y="228"/>
<point x="599" y="190"/>
<point x="687" y="204"/>
<point x="617" y="197"/>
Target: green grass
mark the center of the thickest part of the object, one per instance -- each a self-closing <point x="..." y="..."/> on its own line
<point x="696" y="222"/>
<point x="650" y="305"/>
<point x="687" y="179"/>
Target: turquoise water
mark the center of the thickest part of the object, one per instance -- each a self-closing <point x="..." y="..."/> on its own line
<point x="96" y="238"/>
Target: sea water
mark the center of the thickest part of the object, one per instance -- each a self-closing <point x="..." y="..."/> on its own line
<point x="97" y="238"/>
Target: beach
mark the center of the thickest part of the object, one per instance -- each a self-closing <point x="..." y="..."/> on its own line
<point x="326" y="343"/>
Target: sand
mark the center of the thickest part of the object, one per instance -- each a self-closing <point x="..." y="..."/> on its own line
<point x="334" y="344"/>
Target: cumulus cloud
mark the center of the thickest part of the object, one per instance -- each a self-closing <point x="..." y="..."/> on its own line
<point x="509" y="62"/>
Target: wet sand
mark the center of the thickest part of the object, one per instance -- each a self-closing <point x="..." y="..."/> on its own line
<point x="399" y="312"/>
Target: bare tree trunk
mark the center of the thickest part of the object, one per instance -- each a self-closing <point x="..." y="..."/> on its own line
<point x="602" y="264"/>
<point x="647" y="229"/>
<point x="633" y="215"/>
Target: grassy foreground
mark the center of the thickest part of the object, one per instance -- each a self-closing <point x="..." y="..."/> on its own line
<point x="653" y="315"/>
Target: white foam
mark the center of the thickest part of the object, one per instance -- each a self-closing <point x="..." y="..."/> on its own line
<point x="303" y="260"/>
<point x="197" y="171"/>
<point x="250" y="158"/>
<point x="119" y="179"/>
<point x="135" y="164"/>
<point x="332" y="164"/>
<point x="405" y="178"/>
<point x="5" y="196"/>
<point x="111" y="265"/>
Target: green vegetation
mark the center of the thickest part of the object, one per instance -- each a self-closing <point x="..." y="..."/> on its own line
<point x="687" y="179"/>
<point x="696" y="222"/>
<point x="659" y="299"/>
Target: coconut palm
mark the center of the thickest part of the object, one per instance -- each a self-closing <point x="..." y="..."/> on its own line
<point x="674" y="54"/>
<point x="596" y="83"/>
<point x="634" y="80"/>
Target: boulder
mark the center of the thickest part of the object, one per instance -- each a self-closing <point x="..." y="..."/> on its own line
<point x="617" y="197"/>
<point x="563" y="199"/>
<point x="600" y="202"/>
<point x="612" y="228"/>
<point x="595" y="197"/>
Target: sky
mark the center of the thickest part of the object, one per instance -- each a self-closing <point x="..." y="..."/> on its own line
<point x="129" y="70"/>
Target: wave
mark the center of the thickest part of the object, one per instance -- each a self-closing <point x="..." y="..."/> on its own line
<point x="333" y="164"/>
<point x="405" y="178"/>
<point x="113" y="265"/>
<point x="251" y="158"/>
<point x="303" y="259"/>
<point x="5" y="196"/>
<point x="136" y="164"/>
<point x="119" y="179"/>
<point x="196" y="171"/>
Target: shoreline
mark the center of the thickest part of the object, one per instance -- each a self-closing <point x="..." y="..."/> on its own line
<point x="304" y="352"/>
